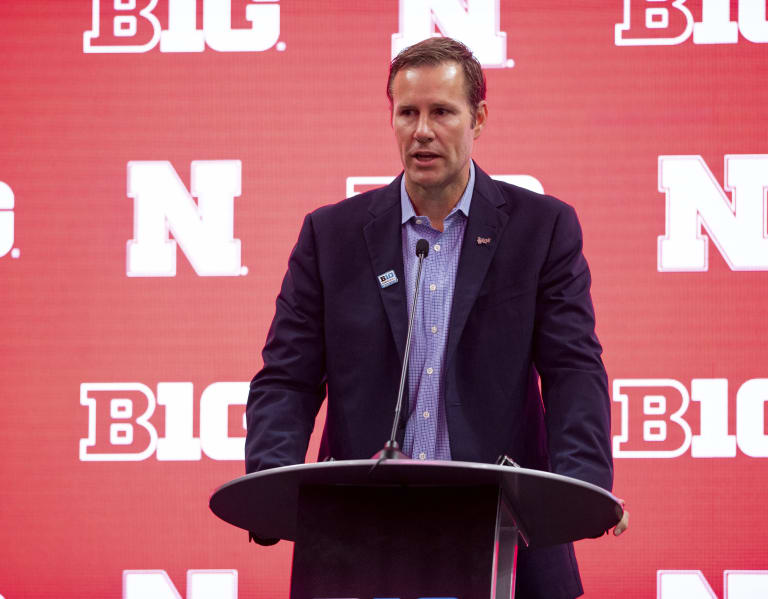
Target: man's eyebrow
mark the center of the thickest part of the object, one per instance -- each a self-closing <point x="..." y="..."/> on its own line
<point x="434" y="105"/>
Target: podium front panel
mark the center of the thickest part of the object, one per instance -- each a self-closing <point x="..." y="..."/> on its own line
<point x="394" y="541"/>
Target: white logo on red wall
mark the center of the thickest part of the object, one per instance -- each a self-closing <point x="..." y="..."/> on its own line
<point x="691" y="584"/>
<point x="204" y="231"/>
<point x="669" y="22"/>
<point x="201" y="584"/>
<point x="222" y="584"/>
<point x="695" y="201"/>
<point x="475" y="23"/>
<point x="7" y="222"/>
<point x="123" y="423"/>
<point x="132" y="26"/>
<point x="655" y="424"/>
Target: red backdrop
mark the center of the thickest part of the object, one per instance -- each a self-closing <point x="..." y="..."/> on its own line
<point x="649" y="117"/>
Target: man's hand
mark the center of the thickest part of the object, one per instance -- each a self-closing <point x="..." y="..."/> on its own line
<point x="623" y="523"/>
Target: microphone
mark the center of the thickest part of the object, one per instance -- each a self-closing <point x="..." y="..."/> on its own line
<point x="391" y="449"/>
<point x="422" y="249"/>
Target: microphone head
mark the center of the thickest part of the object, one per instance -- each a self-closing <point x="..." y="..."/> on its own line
<point x="422" y="248"/>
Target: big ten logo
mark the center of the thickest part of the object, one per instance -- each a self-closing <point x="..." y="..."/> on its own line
<point x="204" y="230"/>
<point x="691" y="584"/>
<point x="669" y="22"/>
<point x="357" y="185"/>
<point x="132" y="26"/>
<point x="695" y="200"/>
<point x="201" y="584"/>
<point x="655" y="424"/>
<point x="123" y="424"/>
<point x="7" y="203"/>
<point x="473" y="22"/>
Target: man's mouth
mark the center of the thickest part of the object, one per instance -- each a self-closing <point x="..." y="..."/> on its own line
<point x="425" y="157"/>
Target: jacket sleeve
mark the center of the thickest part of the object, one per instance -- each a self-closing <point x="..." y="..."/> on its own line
<point x="286" y="394"/>
<point x="567" y="355"/>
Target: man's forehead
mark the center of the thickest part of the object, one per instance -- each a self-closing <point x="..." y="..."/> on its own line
<point x="428" y="80"/>
<point x="448" y="70"/>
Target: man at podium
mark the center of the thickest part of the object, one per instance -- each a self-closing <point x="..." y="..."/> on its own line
<point x="504" y="356"/>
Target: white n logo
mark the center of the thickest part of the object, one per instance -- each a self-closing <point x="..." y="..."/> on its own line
<point x="695" y="200"/>
<point x="691" y="584"/>
<point x="201" y="584"/>
<point x="473" y="22"/>
<point x="161" y="204"/>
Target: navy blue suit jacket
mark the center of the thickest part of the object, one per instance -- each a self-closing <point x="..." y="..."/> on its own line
<point x="522" y="320"/>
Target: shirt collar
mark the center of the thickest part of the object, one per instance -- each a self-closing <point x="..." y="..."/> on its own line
<point x="406" y="207"/>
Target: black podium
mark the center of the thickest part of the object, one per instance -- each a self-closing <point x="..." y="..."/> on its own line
<point x="411" y="529"/>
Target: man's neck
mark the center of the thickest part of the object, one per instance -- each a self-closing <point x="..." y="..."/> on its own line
<point x="436" y="202"/>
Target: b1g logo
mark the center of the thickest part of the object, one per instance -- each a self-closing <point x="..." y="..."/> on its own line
<point x="131" y="26"/>
<point x="121" y="427"/>
<point x="654" y="422"/>
<point x="669" y="22"/>
<point x="162" y="205"/>
<point x="696" y="201"/>
<point x="473" y="22"/>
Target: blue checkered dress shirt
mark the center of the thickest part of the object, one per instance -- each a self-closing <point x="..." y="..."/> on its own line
<point x="426" y="433"/>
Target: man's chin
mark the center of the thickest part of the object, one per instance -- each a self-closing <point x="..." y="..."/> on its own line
<point x="426" y="178"/>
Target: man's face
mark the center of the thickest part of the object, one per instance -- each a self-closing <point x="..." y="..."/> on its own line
<point x="434" y="125"/>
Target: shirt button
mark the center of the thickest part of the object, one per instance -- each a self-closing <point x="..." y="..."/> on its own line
<point x="434" y="329"/>
<point x="432" y="287"/>
<point x="419" y="221"/>
<point x="422" y="456"/>
<point x="426" y="414"/>
<point x="429" y="370"/>
<point x="437" y="247"/>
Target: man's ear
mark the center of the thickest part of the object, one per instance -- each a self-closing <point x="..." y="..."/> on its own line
<point x="481" y="117"/>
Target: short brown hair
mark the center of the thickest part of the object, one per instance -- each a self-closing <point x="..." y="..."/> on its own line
<point x="434" y="51"/>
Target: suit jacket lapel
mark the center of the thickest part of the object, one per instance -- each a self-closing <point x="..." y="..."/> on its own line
<point x="481" y="238"/>
<point x="383" y="235"/>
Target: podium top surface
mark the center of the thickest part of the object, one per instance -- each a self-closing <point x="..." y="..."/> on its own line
<point x="550" y="508"/>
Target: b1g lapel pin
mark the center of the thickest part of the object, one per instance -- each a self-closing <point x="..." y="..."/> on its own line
<point x="483" y="241"/>
<point x="386" y="279"/>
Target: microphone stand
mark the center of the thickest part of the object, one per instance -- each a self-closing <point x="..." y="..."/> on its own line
<point x="391" y="450"/>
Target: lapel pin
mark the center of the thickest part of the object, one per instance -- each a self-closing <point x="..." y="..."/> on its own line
<point x="386" y="279"/>
<point x="483" y="241"/>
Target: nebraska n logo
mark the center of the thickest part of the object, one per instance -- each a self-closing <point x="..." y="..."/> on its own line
<point x="695" y="201"/>
<point x="473" y="22"/>
<point x="162" y="205"/>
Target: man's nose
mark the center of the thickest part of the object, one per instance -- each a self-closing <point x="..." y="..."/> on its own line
<point x="423" y="131"/>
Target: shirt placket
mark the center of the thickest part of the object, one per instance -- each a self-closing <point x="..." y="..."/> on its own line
<point x="433" y="322"/>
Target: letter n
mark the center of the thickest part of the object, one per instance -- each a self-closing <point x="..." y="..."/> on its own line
<point x="162" y="205"/>
<point x="679" y="584"/>
<point x="473" y="22"/>
<point x="201" y="584"/>
<point x="696" y="201"/>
